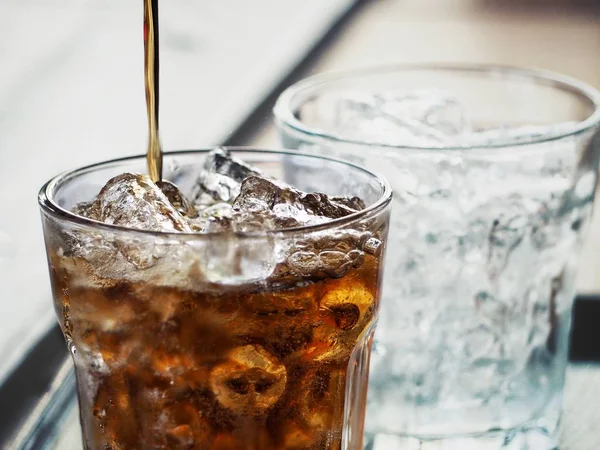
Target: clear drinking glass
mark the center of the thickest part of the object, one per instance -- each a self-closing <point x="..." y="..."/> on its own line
<point x="221" y="340"/>
<point x="494" y="172"/>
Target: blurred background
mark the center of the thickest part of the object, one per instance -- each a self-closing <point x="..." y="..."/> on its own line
<point x="72" y="93"/>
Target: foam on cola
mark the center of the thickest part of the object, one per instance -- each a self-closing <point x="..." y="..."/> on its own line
<point x="170" y="356"/>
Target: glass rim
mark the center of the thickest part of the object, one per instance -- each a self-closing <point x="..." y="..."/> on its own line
<point x="284" y="116"/>
<point x="50" y="207"/>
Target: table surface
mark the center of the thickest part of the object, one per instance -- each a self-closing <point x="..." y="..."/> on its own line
<point x="399" y="31"/>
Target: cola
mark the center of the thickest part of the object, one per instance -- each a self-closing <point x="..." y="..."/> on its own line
<point x="189" y="333"/>
<point x="244" y="368"/>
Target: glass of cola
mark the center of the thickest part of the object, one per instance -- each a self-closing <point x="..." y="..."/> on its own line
<point x="220" y="308"/>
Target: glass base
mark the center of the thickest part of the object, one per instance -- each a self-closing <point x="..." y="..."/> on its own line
<point x="517" y="439"/>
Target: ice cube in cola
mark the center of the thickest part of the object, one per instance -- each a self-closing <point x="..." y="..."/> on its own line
<point x="192" y="362"/>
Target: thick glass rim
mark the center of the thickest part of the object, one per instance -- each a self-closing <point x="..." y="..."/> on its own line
<point x="284" y="114"/>
<point x="50" y="207"/>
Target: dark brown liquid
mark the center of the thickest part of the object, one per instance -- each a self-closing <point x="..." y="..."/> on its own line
<point x="151" y="61"/>
<point x="190" y="369"/>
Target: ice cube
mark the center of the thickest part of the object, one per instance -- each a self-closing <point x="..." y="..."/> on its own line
<point x="214" y="187"/>
<point x="303" y="262"/>
<point x="85" y="209"/>
<point x="420" y="118"/>
<point x="221" y="178"/>
<point x="250" y="381"/>
<point x="284" y="207"/>
<point x="427" y="117"/>
<point x="216" y="217"/>
<point x="176" y="198"/>
<point x="236" y="260"/>
<point x="134" y="201"/>
<point x="222" y="162"/>
<point x="100" y="252"/>
<point x="346" y="310"/>
<point x="324" y="254"/>
<point x="372" y="246"/>
<point x="353" y="203"/>
<point x="349" y="304"/>
<point x="431" y="111"/>
<point x="100" y="314"/>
